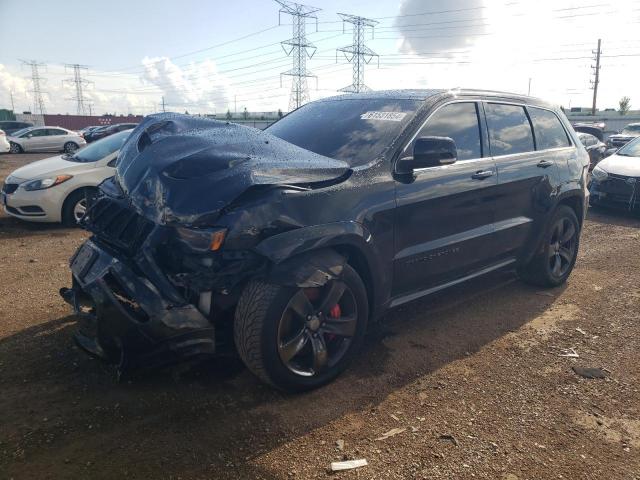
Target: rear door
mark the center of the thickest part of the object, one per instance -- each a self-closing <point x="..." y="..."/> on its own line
<point x="526" y="144"/>
<point x="444" y="214"/>
<point x="56" y="138"/>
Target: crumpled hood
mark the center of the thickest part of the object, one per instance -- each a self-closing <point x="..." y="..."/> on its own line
<point x="178" y="168"/>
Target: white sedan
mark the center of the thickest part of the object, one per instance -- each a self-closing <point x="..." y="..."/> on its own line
<point x="55" y="189"/>
<point x="45" y="139"/>
<point x="4" y="143"/>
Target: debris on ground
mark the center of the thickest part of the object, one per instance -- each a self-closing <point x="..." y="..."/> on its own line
<point x="569" y="353"/>
<point x="348" y="465"/>
<point x="589" y="372"/>
<point x="579" y="330"/>
<point x="340" y="444"/>
<point x="450" y="438"/>
<point x="391" y="433"/>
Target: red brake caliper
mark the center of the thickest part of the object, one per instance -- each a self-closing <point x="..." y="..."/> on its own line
<point x="335" y="312"/>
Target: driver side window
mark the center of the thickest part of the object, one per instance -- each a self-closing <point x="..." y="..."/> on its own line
<point x="458" y="121"/>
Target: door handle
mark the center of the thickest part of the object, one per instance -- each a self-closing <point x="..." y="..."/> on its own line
<point x="544" y="163"/>
<point x="482" y="174"/>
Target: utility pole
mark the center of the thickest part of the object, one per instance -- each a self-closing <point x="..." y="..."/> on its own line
<point x="38" y="101"/>
<point x="299" y="49"/>
<point x="235" y="104"/>
<point x="529" y="90"/>
<point x="357" y="53"/>
<point x="163" y="110"/>
<point x="13" y="107"/>
<point x="82" y="102"/>
<point x="596" y="72"/>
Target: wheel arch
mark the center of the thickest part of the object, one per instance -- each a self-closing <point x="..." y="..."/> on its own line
<point x="292" y="251"/>
<point x="574" y="201"/>
<point x="80" y="188"/>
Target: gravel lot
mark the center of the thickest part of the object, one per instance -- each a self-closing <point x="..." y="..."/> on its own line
<point x="473" y="379"/>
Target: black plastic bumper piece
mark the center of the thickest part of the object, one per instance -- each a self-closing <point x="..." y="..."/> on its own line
<point x="123" y="319"/>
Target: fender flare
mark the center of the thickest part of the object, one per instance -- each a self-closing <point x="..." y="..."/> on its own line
<point x="304" y="257"/>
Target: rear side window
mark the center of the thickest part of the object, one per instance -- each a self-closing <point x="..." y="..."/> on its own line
<point x="56" y="131"/>
<point x="458" y="121"/>
<point x="549" y="131"/>
<point x="509" y="129"/>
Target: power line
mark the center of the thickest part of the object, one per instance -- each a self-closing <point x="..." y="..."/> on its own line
<point x="38" y="101"/>
<point x="357" y="53"/>
<point x="82" y="102"/>
<point x="299" y="48"/>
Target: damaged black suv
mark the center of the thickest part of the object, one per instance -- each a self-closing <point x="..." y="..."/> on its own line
<point x="288" y="242"/>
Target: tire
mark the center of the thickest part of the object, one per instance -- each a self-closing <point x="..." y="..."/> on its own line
<point x="265" y="316"/>
<point x="15" y="148"/>
<point x="70" y="208"/>
<point x="70" y="147"/>
<point x="558" y="245"/>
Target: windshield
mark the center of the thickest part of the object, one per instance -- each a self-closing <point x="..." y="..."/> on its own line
<point x="631" y="130"/>
<point x="631" y="149"/>
<point x="354" y="130"/>
<point x="101" y="148"/>
<point x="22" y="131"/>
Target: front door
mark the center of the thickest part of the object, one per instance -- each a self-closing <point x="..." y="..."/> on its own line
<point x="444" y="214"/>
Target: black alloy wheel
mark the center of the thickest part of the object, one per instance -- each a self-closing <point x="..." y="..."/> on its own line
<point x="298" y="339"/>
<point x="562" y="247"/>
<point x="317" y="328"/>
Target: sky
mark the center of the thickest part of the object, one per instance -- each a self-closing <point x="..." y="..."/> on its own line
<point x="211" y="56"/>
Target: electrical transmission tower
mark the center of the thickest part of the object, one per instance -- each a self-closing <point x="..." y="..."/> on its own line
<point x="358" y="53"/>
<point x="79" y="83"/>
<point x="596" y="76"/>
<point x="38" y="101"/>
<point x="299" y="48"/>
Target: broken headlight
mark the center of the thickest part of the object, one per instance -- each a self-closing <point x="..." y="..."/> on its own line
<point x="599" y="174"/>
<point x="202" y="240"/>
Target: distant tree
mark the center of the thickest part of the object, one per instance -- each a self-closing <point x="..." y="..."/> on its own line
<point x="624" y="105"/>
<point x="228" y="115"/>
<point x="245" y="114"/>
<point x="186" y="112"/>
<point x="280" y="114"/>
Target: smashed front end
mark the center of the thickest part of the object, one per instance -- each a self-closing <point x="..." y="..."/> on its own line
<point x="173" y="239"/>
<point x="616" y="191"/>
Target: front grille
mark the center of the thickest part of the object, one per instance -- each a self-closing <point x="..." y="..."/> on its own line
<point x="9" y="188"/>
<point x="117" y="225"/>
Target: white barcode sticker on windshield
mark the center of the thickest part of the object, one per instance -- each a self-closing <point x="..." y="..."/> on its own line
<point x="385" y="116"/>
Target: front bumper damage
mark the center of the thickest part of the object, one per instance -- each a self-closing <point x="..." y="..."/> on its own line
<point x="124" y="319"/>
<point x="616" y="191"/>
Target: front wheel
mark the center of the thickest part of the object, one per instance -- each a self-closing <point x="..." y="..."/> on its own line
<point x="301" y="338"/>
<point x="14" y="148"/>
<point x="558" y="253"/>
<point x="70" y="147"/>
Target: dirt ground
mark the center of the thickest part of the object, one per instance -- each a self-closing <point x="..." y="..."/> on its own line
<point x="473" y="379"/>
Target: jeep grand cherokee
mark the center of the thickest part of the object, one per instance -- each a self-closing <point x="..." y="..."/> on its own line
<point x="288" y="242"/>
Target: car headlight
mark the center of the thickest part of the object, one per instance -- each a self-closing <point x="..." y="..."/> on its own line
<point x="599" y="174"/>
<point x="48" y="182"/>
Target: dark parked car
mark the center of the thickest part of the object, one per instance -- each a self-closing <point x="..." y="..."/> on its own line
<point x="288" y="242"/>
<point x="102" y="132"/>
<point x="595" y="129"/>
<point x="627" y="134"/>
<point x="596" y="149"/>
<point x="10" y="127"/>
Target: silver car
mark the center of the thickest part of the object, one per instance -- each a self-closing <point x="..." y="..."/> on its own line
<point x="45" y="139"/>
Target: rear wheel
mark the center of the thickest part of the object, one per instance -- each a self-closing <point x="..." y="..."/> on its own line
<point x="301" y="338"/>
<point x="557" y="256"/>
<point x="14" y="148"/>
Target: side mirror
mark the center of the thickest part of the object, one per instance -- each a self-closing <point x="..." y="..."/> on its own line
<point x="29" y="135"/>
<point x="429" y="152"/>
